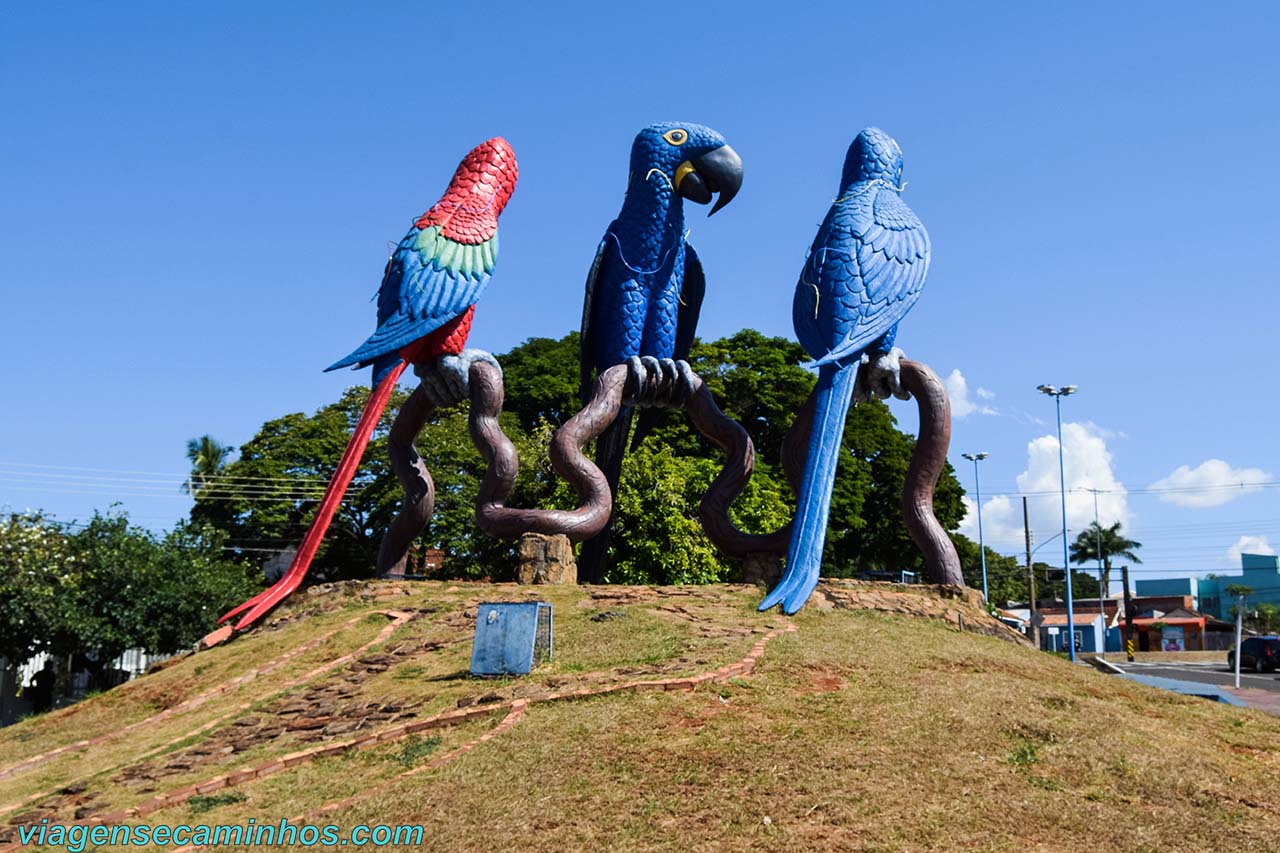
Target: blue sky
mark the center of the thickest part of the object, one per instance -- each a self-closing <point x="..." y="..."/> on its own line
<point x="197" y="201"/>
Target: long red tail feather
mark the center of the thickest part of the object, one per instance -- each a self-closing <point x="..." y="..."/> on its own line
<point x="264" y="601"/>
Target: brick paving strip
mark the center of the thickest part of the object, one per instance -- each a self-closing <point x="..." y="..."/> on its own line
<point x="194" y="702"/>
<point x="398" y="618"/>
<point x="515" y="711"/>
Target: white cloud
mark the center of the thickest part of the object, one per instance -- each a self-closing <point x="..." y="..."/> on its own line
<point x="961" y="405"/>
<point x="1088" y="466"/>
<point x="1247" y="545"/>
<point x="1104" y="432"/>
<point x="1211" y="483"/>
<point x="1025" y="417"/>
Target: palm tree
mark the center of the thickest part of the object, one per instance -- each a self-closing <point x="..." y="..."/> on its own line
<point x="208" y="456"/>
<point x="1111" y="542"/>
<point x="1266" y="617"/>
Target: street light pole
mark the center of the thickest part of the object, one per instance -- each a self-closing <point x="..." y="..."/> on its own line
<point x="1103" y="588"/>
<point x="975" y="458"/>
<point x="1239" y="630"/>
<point x="1057" y="394"/>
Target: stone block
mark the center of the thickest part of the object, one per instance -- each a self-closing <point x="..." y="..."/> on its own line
<point x="181" y="795"/>
<point x="546" y="559"/>
<point x="762" y="567"/>
<point x="268" y="768"/>
<point x="213" y="638"/>
<point x="215" y="784"/>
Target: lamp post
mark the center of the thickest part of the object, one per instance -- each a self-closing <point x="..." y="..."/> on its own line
<point x="975" y="458"/>
<point x="1057" y="394"/>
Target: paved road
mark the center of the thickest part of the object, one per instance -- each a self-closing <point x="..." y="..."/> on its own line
<point x="1207" y="674"/>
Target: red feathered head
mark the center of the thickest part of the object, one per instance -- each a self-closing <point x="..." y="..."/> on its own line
<point x="469" y="209"/>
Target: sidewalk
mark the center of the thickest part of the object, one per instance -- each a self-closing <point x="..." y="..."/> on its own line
<point x="1212" y="692"/>
<point x="1263" y="700"/>
<point x="1208" y="664"/>
<point x="1209" y="657"/>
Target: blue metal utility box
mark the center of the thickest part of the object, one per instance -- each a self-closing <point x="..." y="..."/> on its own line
<point x="511" y="637"/>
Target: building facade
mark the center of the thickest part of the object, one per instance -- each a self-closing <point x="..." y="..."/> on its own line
<point x="1209" y="595"/>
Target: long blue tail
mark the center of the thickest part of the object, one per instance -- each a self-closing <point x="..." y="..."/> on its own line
<point x="809" y="533"/>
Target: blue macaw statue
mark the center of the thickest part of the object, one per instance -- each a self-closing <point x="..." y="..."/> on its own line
<point x="645" y="287"/>
<point x="864" y="271"/>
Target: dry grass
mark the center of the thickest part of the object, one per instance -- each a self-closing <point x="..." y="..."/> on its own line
<point x="862" y="731"/>
<point x="869" y="732"/>
<point x="144" y="697"/>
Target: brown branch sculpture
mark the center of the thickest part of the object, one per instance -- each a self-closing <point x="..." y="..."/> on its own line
<point x="567" y="458"/>
<point x="927" y="462"/>
<point x="419" y="490"/>
<point x="613" y="387"/>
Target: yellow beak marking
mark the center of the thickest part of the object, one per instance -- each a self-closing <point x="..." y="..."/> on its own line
<point x="683" y="169"/>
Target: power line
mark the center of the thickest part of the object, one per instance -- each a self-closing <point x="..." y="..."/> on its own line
<point x="51" y="472"/>
<point x="1247" y="485"/>
<point x="168" y="475"/>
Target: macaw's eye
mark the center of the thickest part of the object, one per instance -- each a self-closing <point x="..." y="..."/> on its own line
<point x="676" y="136"/>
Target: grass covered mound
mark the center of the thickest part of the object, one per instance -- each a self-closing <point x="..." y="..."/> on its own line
<point x="878" y="724"/>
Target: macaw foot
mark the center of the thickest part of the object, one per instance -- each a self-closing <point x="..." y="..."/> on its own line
<point x="879" y="376"/>
<point x="446" y="380"/>
<point x="793" y="590"/>
<point x="658" y="382"/>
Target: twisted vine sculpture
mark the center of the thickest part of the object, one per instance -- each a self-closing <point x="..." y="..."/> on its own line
<point x="641" y="383"/>
<point x="645" y="383"/>
<point x="927" y="462"/>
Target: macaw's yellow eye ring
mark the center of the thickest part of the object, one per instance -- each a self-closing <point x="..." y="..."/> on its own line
<point x="676" y="136"/>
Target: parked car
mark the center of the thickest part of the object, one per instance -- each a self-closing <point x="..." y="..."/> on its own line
<point x="1261" y="653"/>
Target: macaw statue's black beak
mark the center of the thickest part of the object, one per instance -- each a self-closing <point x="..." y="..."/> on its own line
<point x="717" y="171"/>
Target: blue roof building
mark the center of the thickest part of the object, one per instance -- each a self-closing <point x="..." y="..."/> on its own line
<point x="1259" y="572"/>
<point x="1170" y="587"/>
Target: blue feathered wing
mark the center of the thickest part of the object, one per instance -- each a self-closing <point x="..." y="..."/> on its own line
<point x="429" y="281"/>
<point x="863" y="280"/>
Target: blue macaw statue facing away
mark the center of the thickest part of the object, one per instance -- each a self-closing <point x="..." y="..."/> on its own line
<point x="645" y="288"/>
<point x="864" y="271"/>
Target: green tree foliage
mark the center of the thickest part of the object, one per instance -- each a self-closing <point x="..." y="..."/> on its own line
<point x="1096" y="542"/>
<point x="107" y="586"/>
<point x="35" y="565"/>
<point x="757" y="381"/>
<point x="541" y="380"/>
<point x="1007" y="577"/>
<point x="132" y="588"/>
<point x="266" y="498"/>
<point x="657" y="535"/>
<point x="1266" y="618"/>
